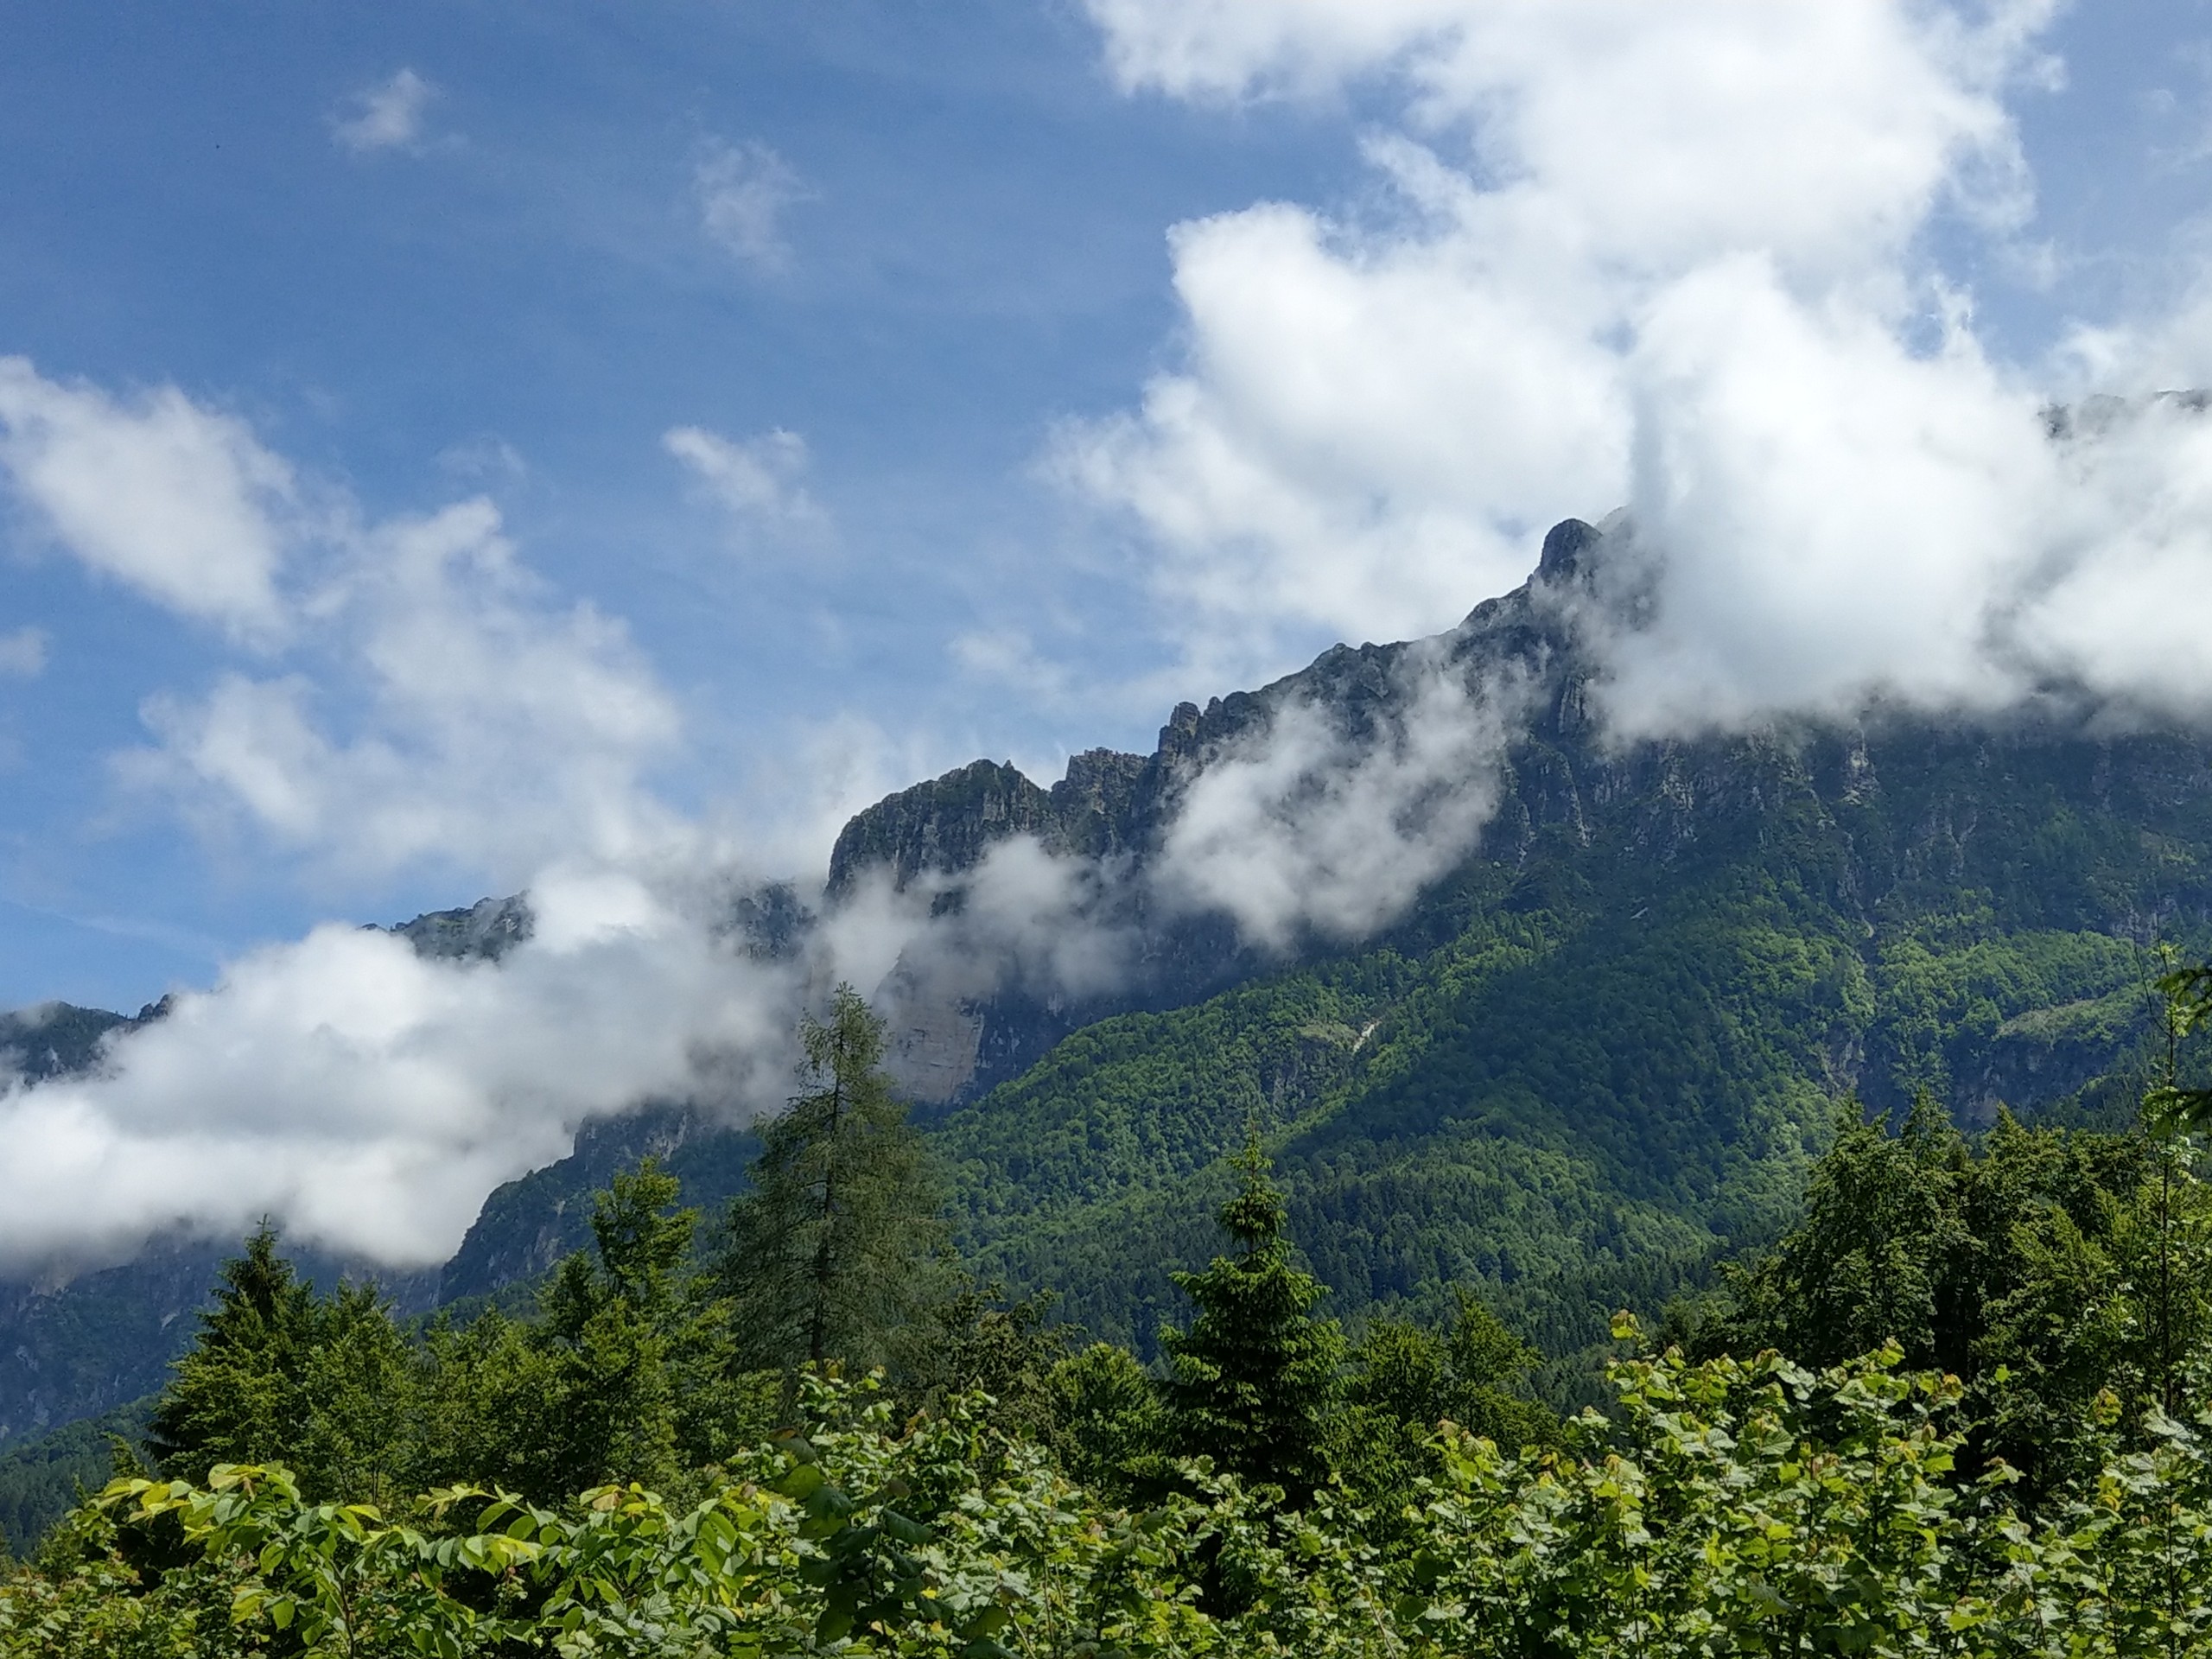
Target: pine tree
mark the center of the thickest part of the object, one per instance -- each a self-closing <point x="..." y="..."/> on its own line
<point x="1253" y="1380"/>
<point x="611" y="1323"/>
<point x="839" y="1243"/>
<point x="237" y="1394"/>
<point x="326" y="1385"/>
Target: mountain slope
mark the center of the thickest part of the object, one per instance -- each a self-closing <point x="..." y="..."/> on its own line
<point x="1603" y="1051"/>
<point x="1600" y="1052"/>
<point x="1592" y="1056"/>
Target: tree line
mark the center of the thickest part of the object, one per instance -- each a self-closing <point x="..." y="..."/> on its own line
<point x="1955" y="1409"/>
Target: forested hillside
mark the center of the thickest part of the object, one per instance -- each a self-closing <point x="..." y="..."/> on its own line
<point x="1601" y="1053"/>
<point x="1590" y="1061"/>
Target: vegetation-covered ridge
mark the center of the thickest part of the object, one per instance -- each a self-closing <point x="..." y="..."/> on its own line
<point x="1588" y="1065"/>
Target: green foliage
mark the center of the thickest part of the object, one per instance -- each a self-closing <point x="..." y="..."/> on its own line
<point x="976" y="1341"/>
<point x="2178" y="1103"/>
<point x="1109" y="1426"/>
<point x="619" y="1377"/>
<point x="1726" y="1508"/>
<point x="2043" y="1266"/>
<point x="1985" y="1444"/>
<point x="42" y="1479"/>
<point x="1602" y="1055"/>
<point x="834" y="1247"/>
<point x="278" y="1372"/>
<point x="1405" y="1380"/>
<point x="1252" y="1380"/>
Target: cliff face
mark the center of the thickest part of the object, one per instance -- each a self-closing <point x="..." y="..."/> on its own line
<point x="1886" y="812"/>
<point x="485" y="930"/>
<point x="948" y="824"/>
<point x="1111" y="805"/>
<point x="1116" y="809"/>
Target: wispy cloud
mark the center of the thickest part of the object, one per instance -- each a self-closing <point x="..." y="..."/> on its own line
<point x="387" y="116"/>
<point x="757" y="479"/>
<point x="24" y="653"/>
<point x="743" y="191"/>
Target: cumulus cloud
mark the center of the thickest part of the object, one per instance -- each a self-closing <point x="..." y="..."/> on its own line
<point x="757" y="481"/>
<point x="438" y="708"/>
<point x="387" y="116"/>
<point x="496" y="731"/>
<point x="434" y="709"/>
<point x="1674" y="258"/>
<point x="371" y="1097"/>
<point x="24" y="653"/>
<point x="176" y="501"/>
<point x="1363" y="437"/>
<point x="743" y="192"/>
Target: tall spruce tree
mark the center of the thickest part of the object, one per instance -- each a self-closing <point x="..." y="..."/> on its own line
<point x="236" y="1396"/>
<point x="327" y="1385"/>
<point x="840" y="1242"/>
<point x="1253" y="1380"/>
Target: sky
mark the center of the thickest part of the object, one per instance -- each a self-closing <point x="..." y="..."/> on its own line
<point x="452" y="450"/>
<point x="427" y="253"/>
<point x="762" y="326"/>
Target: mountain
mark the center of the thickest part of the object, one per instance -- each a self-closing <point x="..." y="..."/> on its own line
<point x="1598" y="1054"/>
<point x="1588" y="1059"/>
<point x="55" y="1038"/>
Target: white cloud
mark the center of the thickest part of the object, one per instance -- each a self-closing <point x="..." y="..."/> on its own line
<point x="24" y="653"/>
<point x="1378" y="413"/>
<point x="387" y="116"/>
<point x="1232" y="48"/>
<point x="495" y="731"/>
<point x="177" y="501"/>
<point x="370" y="1098"/>
<point x="1831" y="516"/>
<point x="758" y="480"/>
<point x="1363" y="436"/>
<point x="743" y="191"/>
<point x="1308" y="826"/>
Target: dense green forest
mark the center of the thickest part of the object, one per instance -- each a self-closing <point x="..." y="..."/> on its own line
<point x="1581" y="1078"/>
<point x="1953" y="1409"/>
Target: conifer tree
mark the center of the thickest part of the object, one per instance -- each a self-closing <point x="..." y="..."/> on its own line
<point x="1253" y="1380"/>
<point x="237" y="1393"/>
<point x="327" y="1385"/>
<point x="611" y="1319"/>
<point x="839" y="1243"/>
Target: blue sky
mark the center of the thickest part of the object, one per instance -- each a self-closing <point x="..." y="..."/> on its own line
<point x="944" y="234"/>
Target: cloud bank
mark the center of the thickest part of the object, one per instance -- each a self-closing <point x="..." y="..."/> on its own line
<point x="371" y="1097"/>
